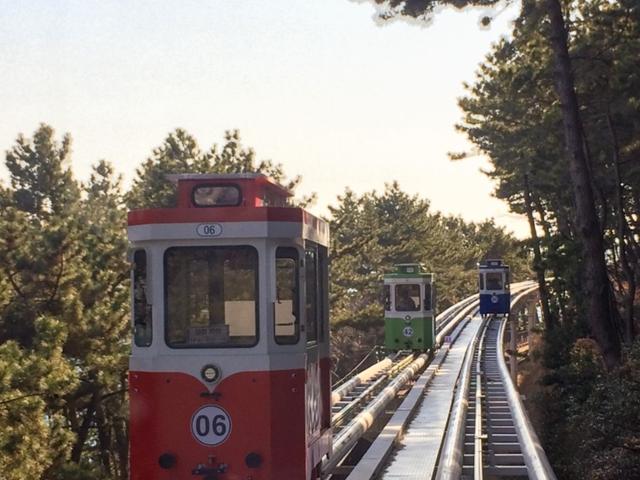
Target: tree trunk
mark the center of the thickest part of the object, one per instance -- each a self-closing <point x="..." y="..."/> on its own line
<point x="548" y="320"/>
<point x="628" y="327"/>
<point x="600" y="199"/>
<point x="83" y="432"/>
<point x="600" y="308"/>
<point x="122" y="446"/>
<point x="104" y="439"/>
<point x="546" y="228"/>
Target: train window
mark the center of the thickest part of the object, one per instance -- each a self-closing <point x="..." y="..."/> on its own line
<point x="387" y="297"/>
<point x="481" y="281"/>
<point x="407" y="297"/>
<point x="211" y="296"/>
<point x="216" y="196"/>
<point x="286" y="319"/>
<point x="311" y="295"/>
<point x="494" y="280"/>
<point x="142" y="313"/>
<point x="427" y="297"/>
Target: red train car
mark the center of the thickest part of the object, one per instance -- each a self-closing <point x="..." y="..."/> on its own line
<point x="229" y="370"/>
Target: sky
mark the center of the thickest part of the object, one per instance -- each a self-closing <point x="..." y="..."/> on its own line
<point x="315" y="85"/>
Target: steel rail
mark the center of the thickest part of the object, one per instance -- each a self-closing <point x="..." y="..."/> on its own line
<point x="449" y="318"/>
<point x="370" y="465"/>
<point x="452" y="310"/>
<point x="538" y="465"/>
<point x="339" y="416"/>
<point x="450" y="467"/>
<point x="460" y="315"/>
<point x="347" y="438"/>
<point x="478" y="467"/>
<point x="362" y="377"/>
<point x="467" y="305"/>
<point x="452" y="452"/>
<point x="355" y="370"/>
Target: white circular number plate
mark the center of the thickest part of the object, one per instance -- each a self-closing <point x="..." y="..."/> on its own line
<point x="211" y="425"/>
<point x="407" y="331"/>
<point x="494" y="299"/>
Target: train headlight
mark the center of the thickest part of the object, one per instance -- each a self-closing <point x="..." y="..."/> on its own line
<point x="253" y="460"/>
<point x="167" y="461"/>
<point x="210" y="373"/>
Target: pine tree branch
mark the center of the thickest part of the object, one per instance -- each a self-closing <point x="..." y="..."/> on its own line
<point x="21" y="397"/>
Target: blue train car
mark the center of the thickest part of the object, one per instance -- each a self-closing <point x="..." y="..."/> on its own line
<point x="495" y="298"/>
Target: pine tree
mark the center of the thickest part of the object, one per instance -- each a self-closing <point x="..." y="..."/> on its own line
<point x="180" y="153"/>
<point x="601" y="310"/>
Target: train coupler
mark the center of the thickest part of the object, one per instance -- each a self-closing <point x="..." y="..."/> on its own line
<point x="209" y="473"/>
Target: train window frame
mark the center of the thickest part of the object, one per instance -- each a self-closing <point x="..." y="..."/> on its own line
<point x="499" y="275"/>
<point x="428" y="298"/>
<point x="386" y="296"/>
<point x="323" y="290"/>
<point x="211" y="346"/>
<point x="288" y="253"/>
<point x="143" y="340"/>
<point x="418" y="307"/>
<point x="481" y="280"/>
<point x="234" y="186"/>
<point x="311" y="248"/>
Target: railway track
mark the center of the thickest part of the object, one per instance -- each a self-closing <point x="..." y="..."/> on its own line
<point x="483" y="417"/>
<point x="489" y="435"/>
<point x="491" y="445"/>
<point x="349" y="397"/>
<point x="359" y="401"/>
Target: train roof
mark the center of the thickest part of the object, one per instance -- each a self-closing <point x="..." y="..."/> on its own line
<point x="240" y="204"/>
<point x="494" y="263"/>
<point x="258" y="179"/>
<point x="409" y="270"/>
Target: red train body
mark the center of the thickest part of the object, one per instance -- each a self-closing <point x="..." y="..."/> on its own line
<point x="229" y="371"/>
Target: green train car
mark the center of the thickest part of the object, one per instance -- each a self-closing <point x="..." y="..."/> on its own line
<point x="410" y="308"/>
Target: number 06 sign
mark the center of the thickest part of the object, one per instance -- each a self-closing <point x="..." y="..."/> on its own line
<point x="211" y="425"/>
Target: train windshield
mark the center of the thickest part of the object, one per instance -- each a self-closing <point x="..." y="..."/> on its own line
<point x="407" y="298"/>
<point x="216" y="195"/>
<point x="494" y="280"/>
<point x="211" y="296"/>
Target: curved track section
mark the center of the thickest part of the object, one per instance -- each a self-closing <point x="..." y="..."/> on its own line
<point x="490" y="435"/>
<point x="481" y="427"/>
<point x="357" y="403"/>
<point x="408" y="446"/>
